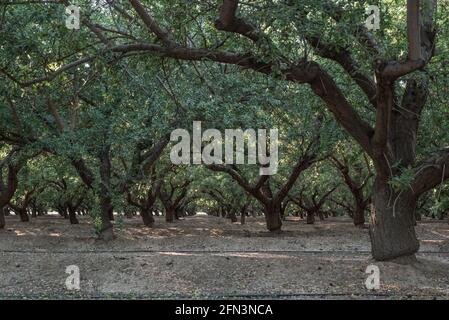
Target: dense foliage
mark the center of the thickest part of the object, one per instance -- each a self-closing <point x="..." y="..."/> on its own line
<point x="86" y="115"/>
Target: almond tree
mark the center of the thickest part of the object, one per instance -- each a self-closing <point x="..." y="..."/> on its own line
<point x="393" y="136"/>
<point x="356" y="183"/>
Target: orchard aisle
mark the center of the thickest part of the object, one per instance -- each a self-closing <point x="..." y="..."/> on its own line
<point x="205" y="256"/>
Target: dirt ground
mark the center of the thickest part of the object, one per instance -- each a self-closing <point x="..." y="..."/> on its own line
<point x="208" y="257"/>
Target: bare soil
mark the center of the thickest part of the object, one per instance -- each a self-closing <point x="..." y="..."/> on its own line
<point x="209" y="257"/>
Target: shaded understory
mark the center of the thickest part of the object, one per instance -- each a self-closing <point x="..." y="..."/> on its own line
<point x="208" y="257"/>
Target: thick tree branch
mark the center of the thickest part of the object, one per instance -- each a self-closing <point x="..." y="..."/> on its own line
<point x="432" y="172"/>
<point x="152" y="25"/>
<point x="413" y="30"/>
<point x="300" y="167"/>
<point x="343" y="57"/>
<point x="228" y="21"/>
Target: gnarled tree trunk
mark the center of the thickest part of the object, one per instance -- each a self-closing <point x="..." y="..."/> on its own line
<point x="392" y="229"/>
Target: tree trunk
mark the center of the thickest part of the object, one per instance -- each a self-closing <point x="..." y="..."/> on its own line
<point x="111" y="214"/>
<point x="310" y="218"/>
<point x="147" y="217"/>
<point x="231" y="215"/>
<point x="63" y="212"/>
<point x="2" y="218"/>
<point x="128" y="214"/>
<point x="391" y="224"/>
<point x="72" y="216"/>
<point x="23" y="215"/>
<point x="359" y="216"/>
<point x="273" y="217"/>
<point x="243" y="218"/>
<point x="169" y="214"/>
<point x="106" y="231"/>
<point x="418" y="216"/>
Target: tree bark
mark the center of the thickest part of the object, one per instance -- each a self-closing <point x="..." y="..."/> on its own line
<point x="106" y="231"/>
<point x="418" y="216"/>
<point x="147" y="217"/>
<point x="169" y="214"/>
<point x="273" y="217"/>
<point x="359" y="216"/>
<point x="391" y="229"/>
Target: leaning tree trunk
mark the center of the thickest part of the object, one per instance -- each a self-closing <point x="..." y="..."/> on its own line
<point x="147" y="217"/>
<point x="273" y="217"/>
<point x="392" y="229"/>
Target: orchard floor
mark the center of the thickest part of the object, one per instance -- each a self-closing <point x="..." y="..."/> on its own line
<point x="208" y="257"/>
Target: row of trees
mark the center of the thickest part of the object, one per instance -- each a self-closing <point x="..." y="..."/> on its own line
<point x="86" y="115"/>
